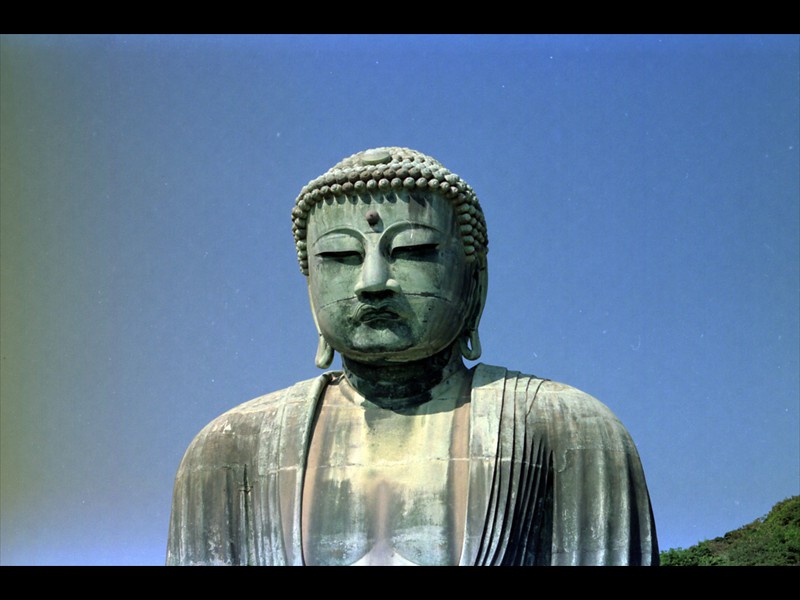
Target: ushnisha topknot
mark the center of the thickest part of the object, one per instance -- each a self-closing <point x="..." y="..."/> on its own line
<point x="381" y="170"/>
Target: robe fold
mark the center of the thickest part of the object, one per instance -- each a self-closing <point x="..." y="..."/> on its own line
<point x="554" y="479"/>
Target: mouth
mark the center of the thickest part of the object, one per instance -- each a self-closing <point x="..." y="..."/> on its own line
<point x="376" y="315"/>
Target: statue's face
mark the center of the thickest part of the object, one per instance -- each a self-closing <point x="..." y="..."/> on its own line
<point x="388" y="278"/>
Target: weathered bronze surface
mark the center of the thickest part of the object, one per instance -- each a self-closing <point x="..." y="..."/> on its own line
<point x="407" y="457"/>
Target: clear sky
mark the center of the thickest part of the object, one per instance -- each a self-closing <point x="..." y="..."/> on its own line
<point x="642" y="195"/>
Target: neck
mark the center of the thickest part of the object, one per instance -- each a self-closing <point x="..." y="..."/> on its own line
<point x="407" y="384"/>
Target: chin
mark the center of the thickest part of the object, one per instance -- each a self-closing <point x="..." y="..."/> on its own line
<point x="385" y="354"/>
<point x="382" y="354"/>
<point x="385" y="348"/>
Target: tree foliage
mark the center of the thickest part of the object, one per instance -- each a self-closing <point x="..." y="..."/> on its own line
<point x="768" y="541"/>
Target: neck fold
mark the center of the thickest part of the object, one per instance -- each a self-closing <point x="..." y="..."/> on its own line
<point x="407" y="384"/>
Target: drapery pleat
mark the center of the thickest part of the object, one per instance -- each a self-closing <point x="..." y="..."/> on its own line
<point x="554" y="478"/>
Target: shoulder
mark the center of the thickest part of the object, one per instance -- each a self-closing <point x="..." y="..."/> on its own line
<point x="556" y="397"/>
<point x="547" y="394"/>
<point x="300" y="393"/>
<point x="557" y="410"/>
<point x="237" y="431"/>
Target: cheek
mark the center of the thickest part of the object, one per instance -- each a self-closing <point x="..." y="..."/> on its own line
<point x="331" y="282"/>
<point x="329" y="318"/>
<point x="334" y="323"/>
<point x="437" y="323"/>
<point x="447" y="277"/>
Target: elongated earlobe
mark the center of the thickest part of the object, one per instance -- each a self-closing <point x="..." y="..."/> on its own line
<point x="324" y="356"/>
<point x="470" y="342"/>
<point x="470" y="345"/>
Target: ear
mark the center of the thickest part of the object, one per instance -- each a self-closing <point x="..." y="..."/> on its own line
<point x="324" y="356"/>
<point x="470" y="342"/>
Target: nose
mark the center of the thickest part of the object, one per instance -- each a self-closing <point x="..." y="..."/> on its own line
<point x="375" y="279"/>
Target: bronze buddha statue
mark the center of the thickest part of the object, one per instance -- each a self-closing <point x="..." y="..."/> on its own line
<point x="407" y="456"/>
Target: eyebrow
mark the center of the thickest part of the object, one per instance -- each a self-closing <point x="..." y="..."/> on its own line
<point x="401" y="226"/>
<point x="346" y="231"/>
<point x="391" y="231"/>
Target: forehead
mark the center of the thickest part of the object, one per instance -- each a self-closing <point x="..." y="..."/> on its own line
<point x="430" y="210"/>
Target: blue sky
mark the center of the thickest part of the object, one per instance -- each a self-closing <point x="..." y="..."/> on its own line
<point x="642" y="196"/>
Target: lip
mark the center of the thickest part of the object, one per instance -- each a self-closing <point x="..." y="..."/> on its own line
<point x="375" y="314"/>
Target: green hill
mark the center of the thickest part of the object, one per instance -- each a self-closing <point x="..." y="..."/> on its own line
<point x="768" y="541"/>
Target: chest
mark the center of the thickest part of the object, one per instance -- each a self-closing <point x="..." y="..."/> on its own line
<point x="386" y="487"/>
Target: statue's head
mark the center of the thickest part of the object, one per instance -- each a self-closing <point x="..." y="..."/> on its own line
<point x="394" y="248"/>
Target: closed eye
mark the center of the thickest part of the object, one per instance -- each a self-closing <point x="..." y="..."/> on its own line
<point x="415" y="252"/>
<point x="345" y="257"/>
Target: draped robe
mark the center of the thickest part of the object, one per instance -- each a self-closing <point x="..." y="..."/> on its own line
<point x="554" y="479"/>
